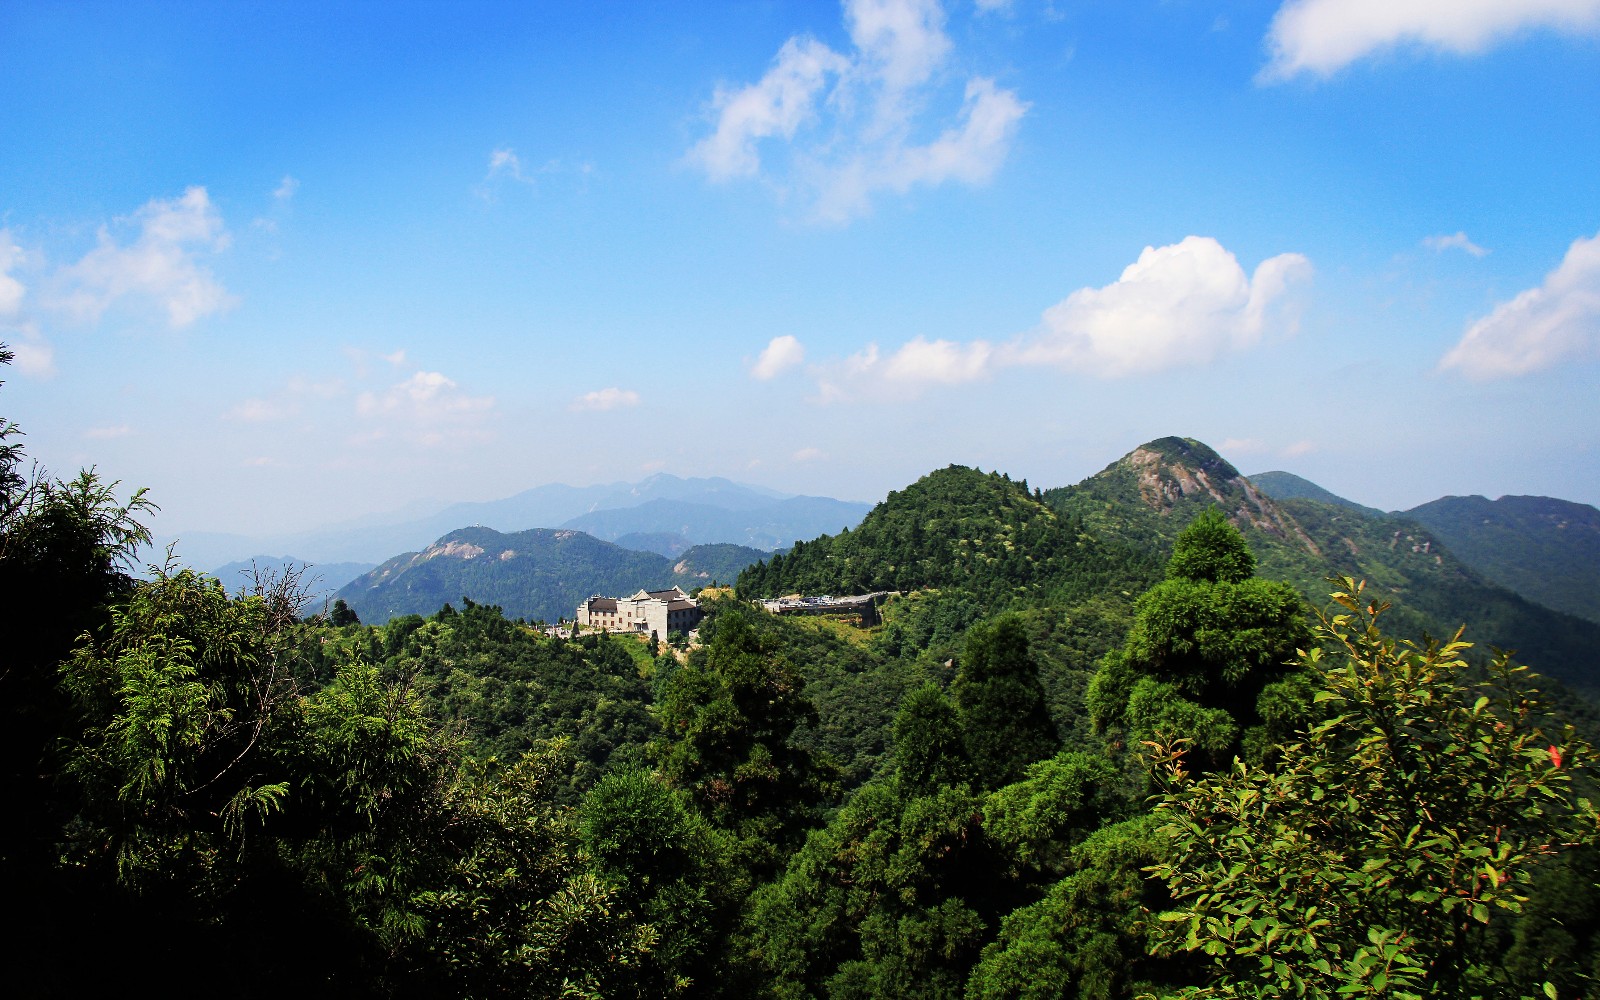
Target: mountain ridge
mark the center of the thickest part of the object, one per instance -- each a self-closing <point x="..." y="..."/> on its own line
<point x="375" y="538"/>
<point x="541" y="573"/>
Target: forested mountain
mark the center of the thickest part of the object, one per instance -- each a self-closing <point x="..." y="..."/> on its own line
<point x="1288" y="486"/>
<point x="960" y="529"/>
<point x="540" y="574"/>
<point x="1545" y="549"/>
<point x="1148" y="496"/>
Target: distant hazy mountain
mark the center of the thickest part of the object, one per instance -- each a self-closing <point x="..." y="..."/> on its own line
<point x="1288" y="486"/>
<point x="772" y="525"/>
<point x="541" y="573"/>
<point x="1545" y="549"/>
<point x="319" y="577"/>
<point x="762" y="515"/>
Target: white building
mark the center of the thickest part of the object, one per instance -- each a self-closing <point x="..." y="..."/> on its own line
<point x="658" y="611"/>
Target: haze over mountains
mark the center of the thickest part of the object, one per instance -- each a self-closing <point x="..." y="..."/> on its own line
<point x="663" y="513"/>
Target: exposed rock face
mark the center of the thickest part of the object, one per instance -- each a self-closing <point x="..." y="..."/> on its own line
<point x="459" y="550"/>
<point x="1172" y="470"/>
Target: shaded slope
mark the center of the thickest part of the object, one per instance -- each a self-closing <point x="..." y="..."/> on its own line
<point x="1545" y="549"/>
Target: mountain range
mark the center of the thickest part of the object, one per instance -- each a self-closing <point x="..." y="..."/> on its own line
<point x="1544" y="549"/>
<point x="1524" y="572"/>
<point x="538" y="574"/>
<point x="1109" y="534"/>
<point x="663" y="513"/>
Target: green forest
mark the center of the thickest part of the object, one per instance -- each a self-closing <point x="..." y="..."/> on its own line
<point x="1094" y="750"/>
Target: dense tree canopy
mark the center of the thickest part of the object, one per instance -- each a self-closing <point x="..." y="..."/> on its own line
<point x="1208" y="657"/>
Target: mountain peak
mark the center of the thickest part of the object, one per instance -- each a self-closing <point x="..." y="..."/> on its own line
<point x="1182" y="476"/>
<point x="1172" y="469"/>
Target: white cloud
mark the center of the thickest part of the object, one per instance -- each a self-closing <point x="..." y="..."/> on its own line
<point x="286" y="188"/>
<point x="161" y="264"/>
<point x="776" y="105"/>
<point x="606" y="399"/>
<point x="1300" y="448"/>
<point x="860" y="114"/>
<point x="108" y="432"/>
<point x="941" y="361"/>
<point x="428" y="408"/>
<point x="1323" y="36"/>
<point x="1183" y="304"/>
<point x="1186" y="304"/>
<point x="971" y="152"/>
<point x="1558" y="321"/>
<point x="808" y="454"/>
<point x="506" y="163"/>
<point x="32" y="354"/>
<point x="1456" y="241"/>
<point x="780" y="354"/>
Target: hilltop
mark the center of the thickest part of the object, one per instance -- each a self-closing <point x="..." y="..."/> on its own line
<point x="961" y="529"/>
<point x="538" y="574"/>
<point x="1146" y="497"/>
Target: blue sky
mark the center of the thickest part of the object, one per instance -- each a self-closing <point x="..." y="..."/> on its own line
<point x="287" y="264"/>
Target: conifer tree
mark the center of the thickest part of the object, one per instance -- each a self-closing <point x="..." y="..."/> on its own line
<point x="1004" y="721"/>
<point x="1208" y="657"/>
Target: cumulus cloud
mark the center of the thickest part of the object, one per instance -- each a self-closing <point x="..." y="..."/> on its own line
<point x="1457" y="241"/>
<point x="780" y="354"/>
<point x="850" y="122"/>
<point x="1185" y="304"/>
<point x="1321" y="37"/>
<point x="808" y="454"/>
<point x="161" y="265"/>
<point x="1541" y="327"/>
<point x="286" y="188"/>
<point x="611" y="398"/>
<point x="1300" y="448"/>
